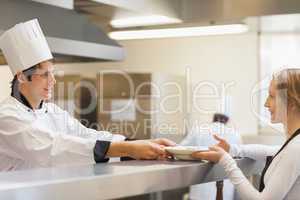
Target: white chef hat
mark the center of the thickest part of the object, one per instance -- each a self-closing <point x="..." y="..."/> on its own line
<point x="24" y="46"/>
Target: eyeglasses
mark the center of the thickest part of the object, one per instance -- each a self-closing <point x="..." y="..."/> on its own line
<point x="46" y="74"/>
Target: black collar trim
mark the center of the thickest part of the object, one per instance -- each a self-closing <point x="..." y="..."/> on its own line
<point x="21" y="98"/>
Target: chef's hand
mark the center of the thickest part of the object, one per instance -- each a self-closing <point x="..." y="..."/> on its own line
<point x="214" y="154"/>
<point x="149" y="149"/>
<point x="164" y="142"/>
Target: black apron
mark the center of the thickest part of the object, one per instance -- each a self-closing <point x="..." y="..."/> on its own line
<point x="270" y="159"/>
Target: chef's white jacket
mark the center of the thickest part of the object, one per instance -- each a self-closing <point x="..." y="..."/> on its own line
<point x="46" y="137"/>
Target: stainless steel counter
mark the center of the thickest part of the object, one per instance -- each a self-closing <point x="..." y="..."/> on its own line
<point x="113" y="180"/>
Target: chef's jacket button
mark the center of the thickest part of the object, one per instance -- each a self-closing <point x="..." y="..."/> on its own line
<point x="28" y="110"/>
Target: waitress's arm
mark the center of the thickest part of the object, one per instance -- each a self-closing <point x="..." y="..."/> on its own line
<point x="281" y="180"/>
<point x="253" y="151"/>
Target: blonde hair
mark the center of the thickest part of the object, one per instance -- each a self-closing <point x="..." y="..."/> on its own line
<point x="287" y="84"/>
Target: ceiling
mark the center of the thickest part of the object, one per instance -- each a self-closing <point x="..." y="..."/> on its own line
<point x="262" y="15"/>
<point x="268" y="15"/>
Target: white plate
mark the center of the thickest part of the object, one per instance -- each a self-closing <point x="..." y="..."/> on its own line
<point x="185" y="149"/>
<point x="185" y="152"/>
<point x="187" y="157"/>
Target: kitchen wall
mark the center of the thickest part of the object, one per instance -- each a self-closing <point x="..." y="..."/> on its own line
<point x="221" y="61"/>
<point x="5" y="78"/>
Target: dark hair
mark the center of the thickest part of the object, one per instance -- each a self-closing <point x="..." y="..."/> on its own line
<point x="222" y="118"/>
<point x="15" y="82"/>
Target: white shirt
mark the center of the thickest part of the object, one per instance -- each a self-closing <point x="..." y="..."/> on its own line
<point x="44" y="138"/>
<point x="281" y="179"/>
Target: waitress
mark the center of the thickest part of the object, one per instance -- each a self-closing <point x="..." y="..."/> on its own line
<point x="280" y="178"/>
<point x="34" y="133"/>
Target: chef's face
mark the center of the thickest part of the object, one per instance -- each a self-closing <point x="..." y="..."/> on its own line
<point x="42" y="81"/>
<point x="275" y="105"/>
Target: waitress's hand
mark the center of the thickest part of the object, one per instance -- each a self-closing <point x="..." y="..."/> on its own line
<point x="222" y="143"/>
<point x="214" y="154"/>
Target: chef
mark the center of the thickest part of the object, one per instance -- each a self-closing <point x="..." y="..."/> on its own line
<point x="34" y="133"/>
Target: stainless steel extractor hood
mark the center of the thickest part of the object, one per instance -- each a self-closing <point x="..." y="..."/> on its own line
<point x="68" y="33"/>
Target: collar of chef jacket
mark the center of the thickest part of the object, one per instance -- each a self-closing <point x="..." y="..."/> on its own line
<point x="24" y="105"/>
